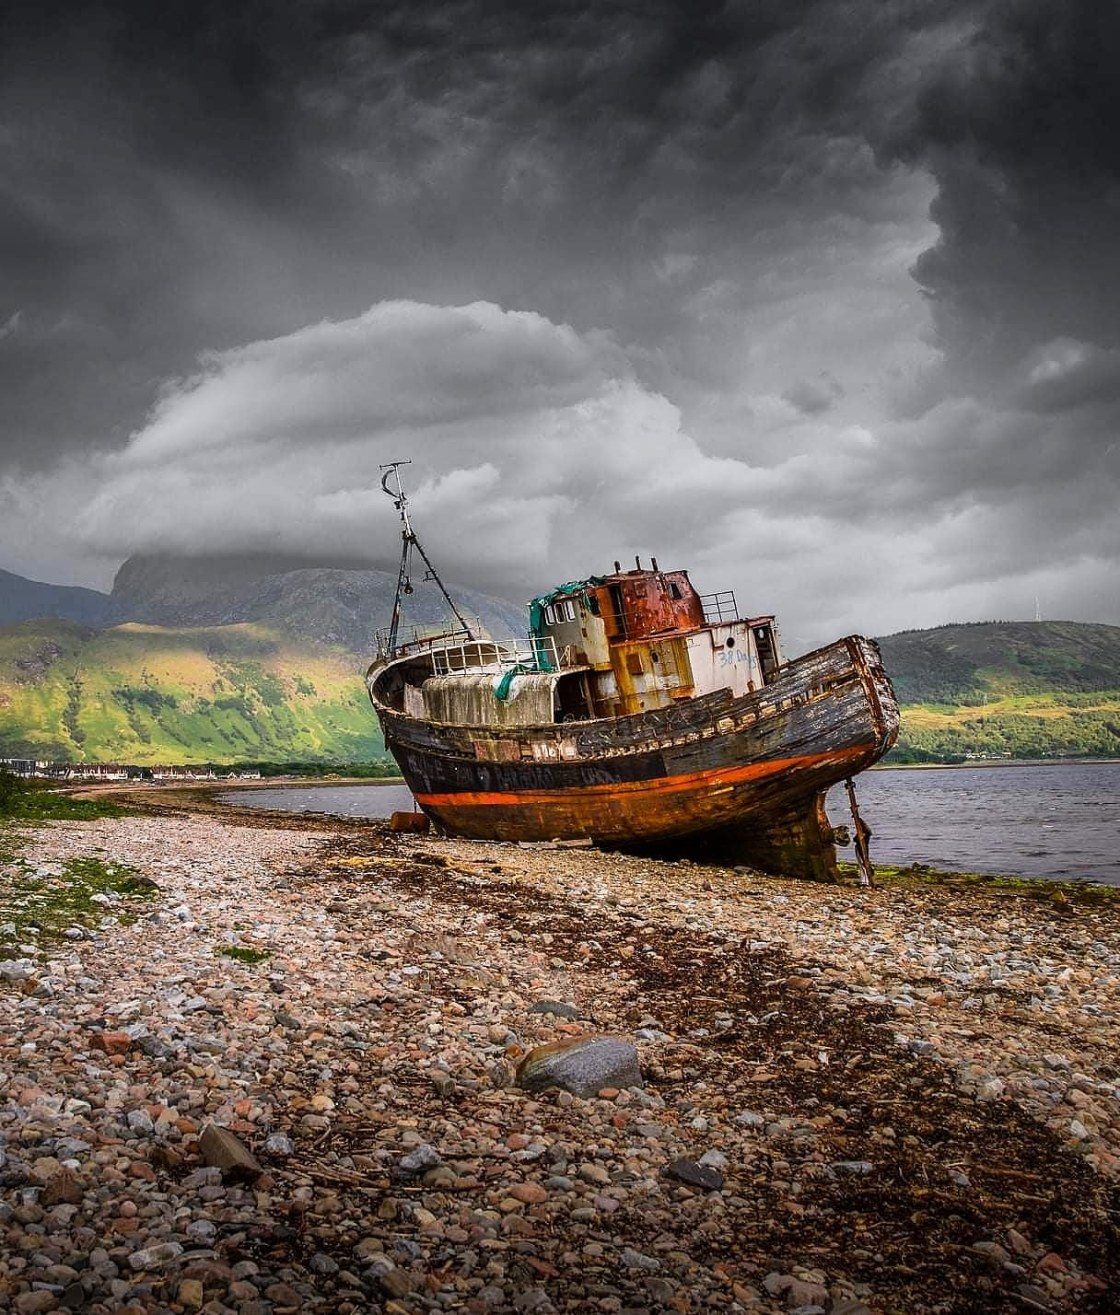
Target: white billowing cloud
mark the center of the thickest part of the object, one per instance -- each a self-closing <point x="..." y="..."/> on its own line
<point x="401" y="365"/>
<point x="532" y="444"/>
<point x="538" y="455"/>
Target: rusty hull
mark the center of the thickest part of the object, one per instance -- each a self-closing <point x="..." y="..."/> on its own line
<point x="742" y="779"/>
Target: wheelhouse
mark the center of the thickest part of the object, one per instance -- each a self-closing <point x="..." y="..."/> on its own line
<point x="602" y="647"/>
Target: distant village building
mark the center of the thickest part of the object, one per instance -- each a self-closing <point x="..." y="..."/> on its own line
<point x="122" y="771"/>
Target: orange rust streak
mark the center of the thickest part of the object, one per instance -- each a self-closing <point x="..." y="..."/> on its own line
<point x="715" y="776"/>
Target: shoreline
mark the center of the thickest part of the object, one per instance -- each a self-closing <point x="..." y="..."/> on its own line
<point x="992" y="762"/>
<point x="887" y="1082"/>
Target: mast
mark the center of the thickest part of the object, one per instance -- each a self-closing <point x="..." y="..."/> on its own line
<point x="409" y="541"/>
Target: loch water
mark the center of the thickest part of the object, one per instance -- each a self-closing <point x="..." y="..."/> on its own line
<point x="1059" y="820"/>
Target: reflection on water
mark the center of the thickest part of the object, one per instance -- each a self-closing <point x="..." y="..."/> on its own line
<point x="1037" y="820"/>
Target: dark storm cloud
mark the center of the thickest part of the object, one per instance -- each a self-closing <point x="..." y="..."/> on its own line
<point x="119" y="123"/>
<point x="602" y="265"/>
<point x="182" y="176"/>
<point x="1020" y="130"/>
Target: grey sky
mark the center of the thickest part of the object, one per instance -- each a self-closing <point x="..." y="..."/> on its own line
<point x="821" y="300"/>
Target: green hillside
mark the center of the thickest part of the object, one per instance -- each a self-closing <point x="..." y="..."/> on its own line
<point x="1023" y="689"/>
<point x="148" y="694"/>
<point x="145" y="694"/>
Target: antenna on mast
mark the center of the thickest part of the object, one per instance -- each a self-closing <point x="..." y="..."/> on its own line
<point x="409" y="541"/>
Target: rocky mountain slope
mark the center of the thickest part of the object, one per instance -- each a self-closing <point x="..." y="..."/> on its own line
<point x="340" y="605"/>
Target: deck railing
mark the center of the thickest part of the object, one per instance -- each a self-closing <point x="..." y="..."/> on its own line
<point x="459" y="652"/>
<point x="422" y="639"/>
<point x="478" y="656"/>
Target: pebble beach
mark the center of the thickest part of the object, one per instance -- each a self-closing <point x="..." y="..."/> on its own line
<point x="290" y="1071"/>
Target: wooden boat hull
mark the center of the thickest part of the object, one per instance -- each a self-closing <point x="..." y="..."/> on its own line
<point x="742" y="779"/>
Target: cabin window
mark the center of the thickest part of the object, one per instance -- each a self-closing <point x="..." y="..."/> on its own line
<point x="550" y="615"/>
<point x="616" y="604"/>
<point x="674" y="590"/>
<point x="566" y="611"/>
<point x="634" y="664"/>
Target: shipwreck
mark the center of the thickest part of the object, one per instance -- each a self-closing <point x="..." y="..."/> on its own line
<point x="636" y="713"/>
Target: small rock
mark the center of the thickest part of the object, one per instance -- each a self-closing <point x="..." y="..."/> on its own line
<point x="112" y="1043"/>
<point x="749" y="1119"/>
<point x="17" y="970"/>
<point x="528" y="1193"/>
<point x="29" y="1303"/>
<point x="632" y="1259"/>
<point x="695" y="1174"/>
<point x="155" y="1257"/>
<point x="141" y="1121"/>
<point x="443" y="1083"/>
<point x="191" y="1293"/>
<point x="223" y="1150"/>
<point x="419" y="1159"/>
<point x="63" y="1188"/>
<point x="202" y="1231"/>
<point x="396" y="1282"/>
<point x="557" y="1008"/>
<point x="853" y="1168"/>
<point x="804" y="1296"/>
<point x="74" y="1297"/>
<point x="998" y="1255"/>
<point x="713" y="1159"/>
<point x="1034" y="1298"/>
<point x="283" y="1296"/>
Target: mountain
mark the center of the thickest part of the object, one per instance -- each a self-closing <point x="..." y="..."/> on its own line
<point x="342" y="605"/>
<point x="1020" y="689"/>
<point x="149" y="694"/>
<point x="237" y="659"/>
<point x="221" y="659"/>
<point x="24" y="600"/>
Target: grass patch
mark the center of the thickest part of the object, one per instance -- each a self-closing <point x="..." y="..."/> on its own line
<point x="40" y="904"/>
<point x="21" y="801"/>
<point x="243" y="953"/>
<point x="1043" y="889"/>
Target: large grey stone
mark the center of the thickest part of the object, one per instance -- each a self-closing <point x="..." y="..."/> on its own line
<point x="582" y="1066"/>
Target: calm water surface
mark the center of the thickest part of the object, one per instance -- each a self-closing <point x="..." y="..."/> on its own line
<point x="1035" y="820"/>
